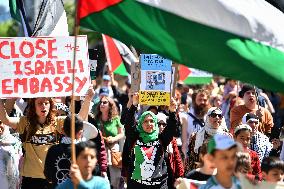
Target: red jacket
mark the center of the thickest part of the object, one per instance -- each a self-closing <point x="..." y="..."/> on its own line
<point x="176" y="161"/>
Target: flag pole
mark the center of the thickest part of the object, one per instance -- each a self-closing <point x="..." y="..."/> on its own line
<point x="76" y="31"/>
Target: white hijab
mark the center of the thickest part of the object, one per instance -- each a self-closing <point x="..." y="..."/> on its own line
<point x="222" y="129"/>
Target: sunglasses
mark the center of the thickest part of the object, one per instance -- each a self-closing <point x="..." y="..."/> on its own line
<point x="214" y="115"/>
<point x="256" y="122"/>
<point x="162" y="124"/>
<point x="104" y="102"/>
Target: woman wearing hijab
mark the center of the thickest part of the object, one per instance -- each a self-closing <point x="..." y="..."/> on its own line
<point x="147" y="166"/>
<point x="214" y="124"/>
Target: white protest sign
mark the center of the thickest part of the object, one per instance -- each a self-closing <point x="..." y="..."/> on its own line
<point x="43" y="66"/>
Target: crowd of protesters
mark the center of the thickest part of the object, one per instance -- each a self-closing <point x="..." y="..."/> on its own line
<point x="214" y="133"/>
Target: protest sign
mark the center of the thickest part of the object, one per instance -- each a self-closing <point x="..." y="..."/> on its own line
<point x="156" y="79"/>
<point x="43" y="66"/>
<point x="135" y="77"/>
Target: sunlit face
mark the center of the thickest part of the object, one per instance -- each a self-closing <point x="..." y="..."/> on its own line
<point x="104" y="104"/>
<point x="225" y="161"/>
<point x="253" y="125"/>
<point x="201" y="99"/>
<point x="42" y="106"/>
<point x="274" y="175"/>
<point x="87" y="161"/>
<point x="148" y="124"/>
<point x="244" y="138"/>
<point x="215" y="120"/>
<point x="162" y="125"/>
<point x="217" y="102"/>
<point x="207" y="163"/>
<point x="249" y="97"/>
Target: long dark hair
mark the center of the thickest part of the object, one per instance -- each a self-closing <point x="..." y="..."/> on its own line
<point x="112" y="109"/>
<point x="32" y="117"/>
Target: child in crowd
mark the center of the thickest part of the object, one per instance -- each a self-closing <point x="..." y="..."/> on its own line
<point x="242" y="134"/>
<point x="206" y="167"/>
<point x="222" y="150"/>
<point x="81" y="173"/>
<point x="243" y="165"/>
<point x="272" y="169"/>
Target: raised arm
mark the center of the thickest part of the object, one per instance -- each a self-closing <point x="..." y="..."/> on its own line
<point x="84" y="111"/>
<point x="170" y="131"/>
<point x="130" y="122"/>
<point x="5" y="118"/>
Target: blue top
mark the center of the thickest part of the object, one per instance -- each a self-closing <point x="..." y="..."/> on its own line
<point x="95" y="183"/>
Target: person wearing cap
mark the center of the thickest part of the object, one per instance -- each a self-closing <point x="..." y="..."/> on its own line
<point x="242" y="135"/>
<point x="106" y="83"/>
<point x="214" y="123"/>
<point x="58" y="158"/>
<point x="173" y="158"/>
<point x="259" y="142"/>
<point x="250" y="106"/>
<point x="223" y="153"/>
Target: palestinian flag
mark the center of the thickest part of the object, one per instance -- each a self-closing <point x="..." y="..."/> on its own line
<point x="240" y="39"/>
<point x="40" y="17"/>
<point x="114" y="59"/>
<point x="193" y="76"/>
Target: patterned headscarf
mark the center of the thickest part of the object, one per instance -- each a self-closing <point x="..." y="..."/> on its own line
<point x="148" y="137"/>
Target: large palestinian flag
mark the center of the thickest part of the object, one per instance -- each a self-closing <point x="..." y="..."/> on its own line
<point x="240" y="39"/>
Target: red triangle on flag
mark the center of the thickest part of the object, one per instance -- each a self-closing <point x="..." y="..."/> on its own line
<point x="86" y="7"/>
<point x="183" y="72"/>
<point x="113" y="57"/>
<point x="148" y="151"/>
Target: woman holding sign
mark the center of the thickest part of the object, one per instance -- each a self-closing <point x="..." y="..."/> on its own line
<point x="146" y="163"/>
<point x="39" y="130"/>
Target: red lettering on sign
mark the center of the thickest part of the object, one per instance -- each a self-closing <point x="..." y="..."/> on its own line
<point x="29" y="70"/>
<point x="13" y="50"/>
<point x="81" y="66"/>
<point x="45" y="84"/>
<point x="60" y="67"/>
<point x="22" y="82"/>
<point x="1" y="46"/>
<point x="57" y="82"/>
<point x="31" y="49"/>
<point x="66" y="81"/>
<point x="69" y="67"/>
<point x="39" y="66"/>
<point x="81" y="83"/>
<point x="51" y="48"/>
<point x="49" y="68"/>
<point x="34" y="85"/>
<point x="5" y="86"/>
<point x="18" y="68"/>
<point x="38" y="47"/>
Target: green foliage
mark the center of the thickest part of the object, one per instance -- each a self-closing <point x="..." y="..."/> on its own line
<point x="9" y="28"/>
<point x="93" y="37"/>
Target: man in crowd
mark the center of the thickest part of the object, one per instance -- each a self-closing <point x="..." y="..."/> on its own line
<point x="250" y="106"/>
<point x="196" y="116"/>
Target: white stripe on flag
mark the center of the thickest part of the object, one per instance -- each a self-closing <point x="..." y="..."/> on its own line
<point x="263" y="22"/>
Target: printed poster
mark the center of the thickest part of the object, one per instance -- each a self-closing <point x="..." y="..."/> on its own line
<point x="156" y="76"/>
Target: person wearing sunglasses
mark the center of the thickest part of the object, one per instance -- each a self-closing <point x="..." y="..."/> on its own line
<point x="214" y="123"/>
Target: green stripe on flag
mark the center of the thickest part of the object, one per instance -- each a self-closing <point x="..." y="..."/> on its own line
<point x="197" y="80"/>
<point x="121" y="70"/>
<point x="191" y="43"/>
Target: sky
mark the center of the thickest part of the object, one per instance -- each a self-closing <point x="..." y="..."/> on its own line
<point x="4" y="10"/>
